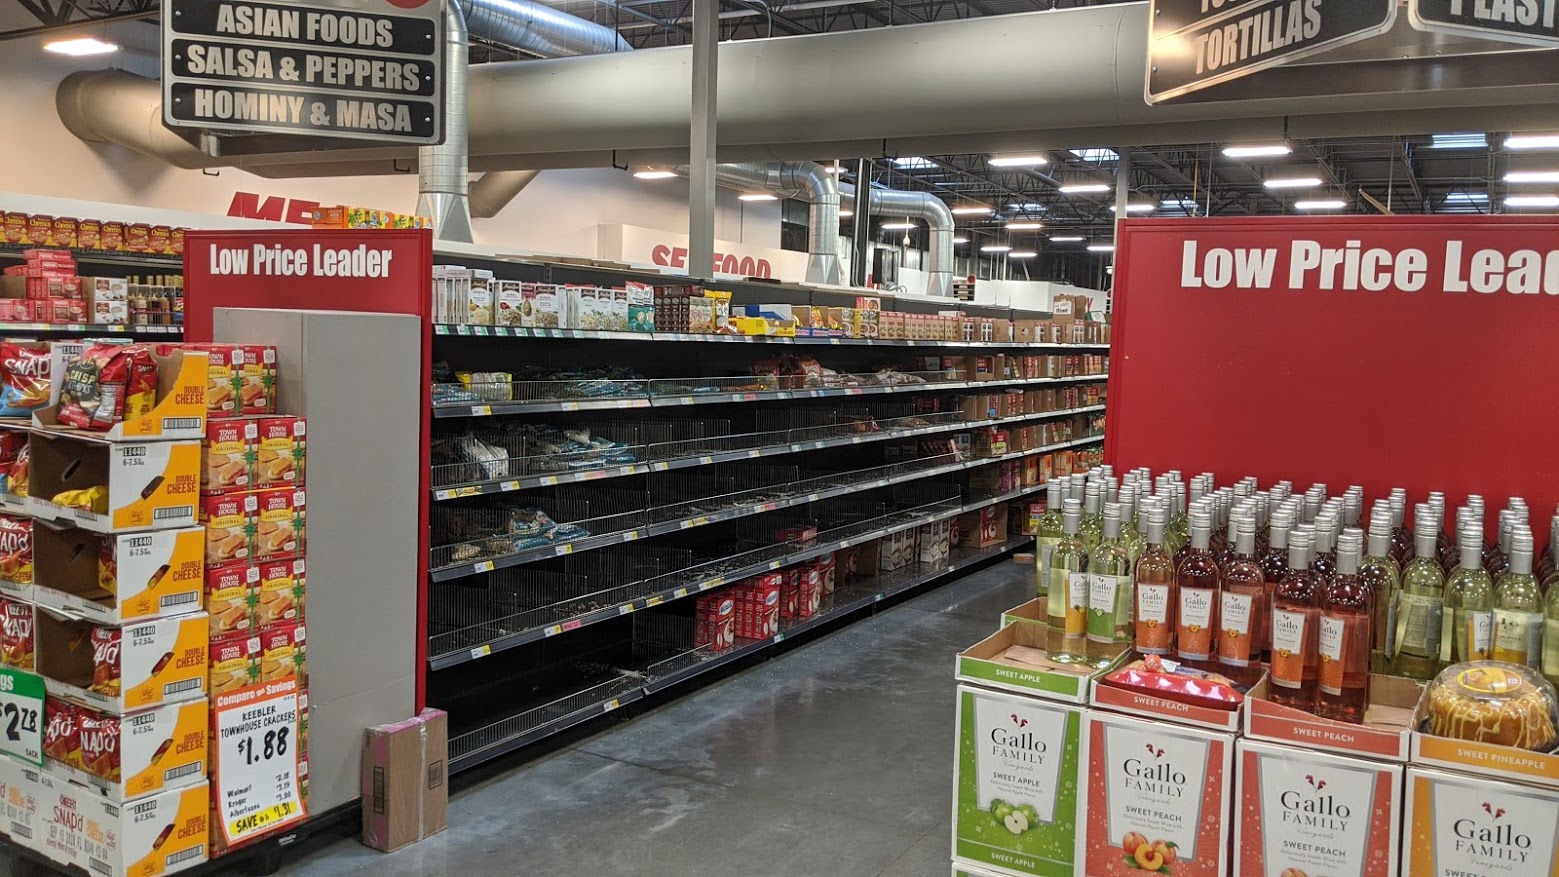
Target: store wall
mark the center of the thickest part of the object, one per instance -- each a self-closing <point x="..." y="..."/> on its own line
<point x="557" y="213"/>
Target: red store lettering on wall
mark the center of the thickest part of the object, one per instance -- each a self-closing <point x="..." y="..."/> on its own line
<point x="725" y="263"/>
<point x="248" y="205"/>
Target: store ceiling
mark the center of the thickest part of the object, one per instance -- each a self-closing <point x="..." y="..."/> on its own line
<point x="1408" y="175"/>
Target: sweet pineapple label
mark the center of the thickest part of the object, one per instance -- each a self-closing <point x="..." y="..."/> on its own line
<point x="1157" y="798"/>
<point x="1307" y="814"/>
<point x="1461" y="824"/>
<point x="1016" y="786"/>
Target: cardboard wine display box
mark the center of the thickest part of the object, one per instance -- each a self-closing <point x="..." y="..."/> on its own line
<point x="1507" y="762"/>
<point x="1158" y="796"/>
<point x="1458" y="824"/>
<point x="1032" y="612"/>
<point x="1015" y="788"/>
<point x="1014" y="659"/>
<point x="1303" y="812"/>
<point x="972" y="871"/>
<point x="154" y="574"/>
<point x="1385" y="733"/>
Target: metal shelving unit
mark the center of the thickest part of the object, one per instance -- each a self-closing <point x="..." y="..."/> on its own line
<point x="561" y="572"/>
<point x="121" y="263"/>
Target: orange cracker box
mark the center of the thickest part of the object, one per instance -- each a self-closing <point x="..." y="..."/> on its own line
<point x="227" y="456"/>
<point x="222" y="378"/>
<point x="279" y="594"/>
<point x="282" y="446"/>
<point x="283" y="653"/>
<point x="279" y="530"/>
<point x="230" y="520"/>
<point x="232" y="590"/>
<point x="235" y="663"/>
<point x="123" y="669"/>
<point x="257" y="380"/>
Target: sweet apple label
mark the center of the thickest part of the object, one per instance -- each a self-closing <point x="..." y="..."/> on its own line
<point x="1016" y="795"/>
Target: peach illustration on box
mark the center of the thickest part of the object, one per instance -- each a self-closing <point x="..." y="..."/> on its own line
<point x="1148" y="855"/>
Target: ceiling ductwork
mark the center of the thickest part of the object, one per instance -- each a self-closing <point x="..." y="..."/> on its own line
<point x="495" y="189"/>
<point x="539" y="30"/>
<point x="810" y="182"/>
<point x="892" y="203"/>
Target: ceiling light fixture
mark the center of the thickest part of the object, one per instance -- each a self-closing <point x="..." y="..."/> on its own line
<point x="846" y="214"/>
<point x="1017" y="161"/>
<point x="1024" y="254"/>
<point x="1459" y="141"/>
<point x="1082" y="188"/>
<point x="654" y="175"/>
<point x="960" y="240"/>
<point x="1532" y="201"/>
<point x="914" y="161"/>
<point x="898" y="226"/>
<point x="1067" y="239"/>
<point x="1025" y="226"/>
<point x="1293" y="183"/>
<point x="1532" y="177"/>
<point x="1101" y="248"/>
<point x="1532" y="141"/>
<point x="1321" y="204"/>
<point x="81" y="47"/>
<point x="1137" y="208"/>
<point x="758" y="196"/>
<point x="1274" y="149"/>
<point x="972" y="211"/>
<point x="995" y="248"/>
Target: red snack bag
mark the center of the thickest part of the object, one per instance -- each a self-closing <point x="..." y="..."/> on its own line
<point x="108" y="384"/>
<point x="16" y="634"/>
<point x="105" y="661"/>
<point x="61" y="732"/>
<point x="99" y="736"/>
<point x="24" y="377"/>
<point x="12" y="444"/>
<point x="16" y="549"/>
<point x="1177" y="683"/>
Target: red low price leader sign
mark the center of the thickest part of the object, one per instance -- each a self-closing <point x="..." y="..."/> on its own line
<point x="1380" y="351"/>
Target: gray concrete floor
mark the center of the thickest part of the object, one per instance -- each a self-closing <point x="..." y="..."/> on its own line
<point x="832" y="760"/>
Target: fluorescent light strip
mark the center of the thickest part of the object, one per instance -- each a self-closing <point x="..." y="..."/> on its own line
<point x="846" y="214"/>
<point x="1532" y="201"/>
<point x="758" y="196"/>
<point x="995" y="248"/>
<point x="897" y="226"/>
<point x="81" y="47"/>
<point x="1017" y="161"/>
<point x="1137" y="208"/>
<point x="1083" y="188"/>
<point x="1532" y="141"/>
<point x="1321" y="204"/>
<point x="1101" y="248"/>
<point x="1024" y="226"/>
<point x="1532" y="177"/>
<point x="1024" y="254"/>
<point x="960" y="240"/>
<point x="972" y="211"/>
<point x="1293" y="183"/>
<point x="654" y="175"/>
<point x="1067" y="239"/>
<point x="1257" y="151"/>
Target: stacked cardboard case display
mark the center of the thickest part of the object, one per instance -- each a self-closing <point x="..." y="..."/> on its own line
<point x="103" y="579"/>
<point x="1059" y="772"/>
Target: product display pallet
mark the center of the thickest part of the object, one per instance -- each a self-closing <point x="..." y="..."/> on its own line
<point x="666" y="667"/>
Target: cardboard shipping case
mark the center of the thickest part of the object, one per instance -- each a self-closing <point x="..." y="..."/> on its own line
<point x="153" y="662"/>
<point x="155" y="835"/>
<point x="1016" y="783"/>
<point x="151" y="485"/>
<point x="119" y="578"/>
<point x="180" y="411"/>
<point x="405" y="796"/>
<point x="158" y="749"/>
<point x="1459" y="824"/>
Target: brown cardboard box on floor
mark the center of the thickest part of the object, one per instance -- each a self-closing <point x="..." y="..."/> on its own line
<point x="405" y="793"/>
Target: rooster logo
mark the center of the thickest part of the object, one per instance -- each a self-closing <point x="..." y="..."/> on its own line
<point x="1021" y="723"/>
<point x="1495" y="812"/>
<point x="1318" y="785"/>
<point x="1156" y="753"/>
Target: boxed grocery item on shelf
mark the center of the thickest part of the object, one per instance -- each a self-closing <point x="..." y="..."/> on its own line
<point x="232" y="592"/>
<point x="1016" y="784"/>
<point x="280" y="592"/>
<point x="104" y="485"/>
<point x="130" y="392"/>
<point x="158" y="834"/>
<point x="1157" y="793"/>
<point x="230" y="521"/>
<point x="119" y="578"/>
<point x="127" y="757"/>
<point x="19" y="800"/>
<point x="284" y="652"/>
<point x="280" y="522"/>
<point x="234" y="661"/>
<point x="228" y="456"/>
<point x="118" y="670"/>
<point x="1315" y="813"/>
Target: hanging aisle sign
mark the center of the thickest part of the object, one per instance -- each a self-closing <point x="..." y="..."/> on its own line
<point x="1195" y="44"/>
<point x="1534" y="22"/>
<point x="356" y="69"/>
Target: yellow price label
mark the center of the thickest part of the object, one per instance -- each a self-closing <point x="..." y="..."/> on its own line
<point x="482" y="651"/>
<point x="258" y="822"/>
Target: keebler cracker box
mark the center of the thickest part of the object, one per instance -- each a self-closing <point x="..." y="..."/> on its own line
<point x="279" y="531"/>
<point x="282" y="443"/>
<point x="279" y="596"/>
<point x="227" y="456"/>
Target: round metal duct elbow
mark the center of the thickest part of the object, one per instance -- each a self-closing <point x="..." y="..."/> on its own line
<point x="112" y="106"/>
<point x="936" y="214"/>
<point x="797" y="179"/>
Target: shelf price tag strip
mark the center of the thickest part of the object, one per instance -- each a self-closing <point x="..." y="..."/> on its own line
<point x="21" y="715"/>
<point x="255" y="771"/>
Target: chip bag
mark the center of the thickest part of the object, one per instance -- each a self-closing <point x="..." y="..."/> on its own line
<point x="12" y="445"/>
<point x="92" y="499"/>
<point x="100" y="745"/>
<point x="61" y="731"/>
<point x="24" y="377"/>
<point x="16" y="482"/>
<point x="16" y="549"/>
<point x="105" y="661"/>
<point x="17" y="646"/>
<point x="107" y="384"/>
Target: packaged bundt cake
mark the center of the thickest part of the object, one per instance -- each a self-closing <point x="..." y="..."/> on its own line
<point x="1492" y="702"/>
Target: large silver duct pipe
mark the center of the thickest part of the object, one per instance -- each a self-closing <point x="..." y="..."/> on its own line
<point x="810" y="182"/>
<point x="444" y="171"/>
<point x="892" y="203"/>
<point x="538" y="29"/>
<point x="493" y="191"/>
